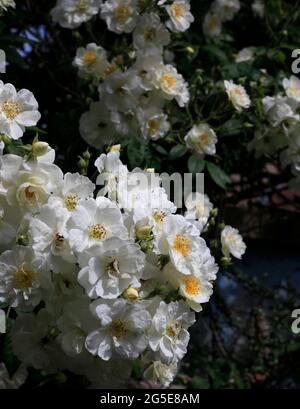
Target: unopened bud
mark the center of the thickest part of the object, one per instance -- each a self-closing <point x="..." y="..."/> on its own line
<point x="150" y="170"/>
<point x="86" y="155"/>
<point x="40" y="148"/>
<point x="131" y="294"/>
<point x="145" y="247"/>
<point x="115" y="148"/>
<point x="82" y="163"/>
<point x="76" y="34"/>
<point x="6" y="139"/>
<point x="214" y="244"/>
<point x="132" y="55"/>
<point x="214" y="212"/>
<point x="22" y="240"/>
<point x="225" y="262"/>
<point x="189" y="50"/>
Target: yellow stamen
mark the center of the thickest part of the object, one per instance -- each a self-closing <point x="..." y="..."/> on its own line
<point x="153" y="126"/>
<point x="71" y="202"/>
<point x="11" y="109"/>
<point x="191" y="286"/>
<point x="203" y="138"/>
<point x="173" y="329"/>
<point x="117" y="329"/>
<point x="169" y="80"/>
<point x="182" y="245"/>
<point x="177" y="10"/>
<point x="89" y="59"/>
<point x="97" y="232"/>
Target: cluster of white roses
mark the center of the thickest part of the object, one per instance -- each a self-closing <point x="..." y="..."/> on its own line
<point x="222" y="11"/>
<point x="202" y="139"/>
<point x="132" y="100"/>
<point x="280" y="135"/>
<point x="101" y="277"/>
<point x="132" y="96"/>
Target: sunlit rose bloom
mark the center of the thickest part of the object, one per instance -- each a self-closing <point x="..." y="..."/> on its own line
<point x="232" y="242"/>
<point x="180" y="15"/>
<point x="237" y="95"/>
<point x="171" y="84"/>
<point x="18" y="109"/>
<point x="121" y="329"/>
<point x="110" y="269"/>
<point x="168" y="335"/>
<point x="24" y="276"/>
<point x="292" y="87"/>
<point x="198" y="208"/>
<point x="202" y="139"/>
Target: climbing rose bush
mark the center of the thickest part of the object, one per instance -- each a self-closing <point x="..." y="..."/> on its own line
<point x="98" y="274"/>
<point x="98" y="278"/>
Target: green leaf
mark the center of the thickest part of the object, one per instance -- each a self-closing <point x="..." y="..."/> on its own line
<point x="7" y="356"/>
<point x="35" y="129"/>
<point x="16" y="148"/>
<point x="196" y="164"/>
<point x="218" y="107"/>
<point x="231" y="128"/>
<point x="136" y="153"/>
<point x="218" y="175"/>
<point x="177" y="152"/>
<point x="160" y="149"/>
<point x="216" y="52"/>
<point x="199" y="383"/>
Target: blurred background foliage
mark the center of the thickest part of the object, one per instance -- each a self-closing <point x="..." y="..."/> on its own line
<point x="243" y="338"/>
